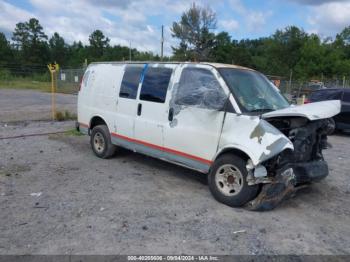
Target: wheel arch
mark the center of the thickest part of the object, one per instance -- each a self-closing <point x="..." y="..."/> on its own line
<point x="95" y="121"/>
<point x="233" y="150"/>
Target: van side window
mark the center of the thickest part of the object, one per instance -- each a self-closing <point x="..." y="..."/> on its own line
<point x="155" y="84"/>
<point x="199" y="87"/>
<point x="130" y="82"/>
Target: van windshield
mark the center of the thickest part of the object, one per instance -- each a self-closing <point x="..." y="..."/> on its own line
<point x="253" y="91"/>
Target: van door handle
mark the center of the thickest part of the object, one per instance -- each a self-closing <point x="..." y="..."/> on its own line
<point x="171" y="114"/>
<point x="139" y="109"/>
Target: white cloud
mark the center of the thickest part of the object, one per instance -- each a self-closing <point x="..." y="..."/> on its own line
<point x="330" y="18"/>
<point x="229" y="25"/>
<point x="76" y="20"/>
<point x="10" y="16"/>
<point x="255" y="20"/>
<point x="238" y="7"/>
<point x="122" y="21"/>
<point x="316" y="2"/>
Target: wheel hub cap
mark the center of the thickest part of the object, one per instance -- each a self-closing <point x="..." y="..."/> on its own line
<point x="229" y="180"/>
<point x="99" y="142"/>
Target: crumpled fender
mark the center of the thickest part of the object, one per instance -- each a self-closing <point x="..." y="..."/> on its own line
<point x="254" y="136"/>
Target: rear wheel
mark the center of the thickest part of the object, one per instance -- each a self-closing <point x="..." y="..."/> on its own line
<point x="101" y="143"/>
<point x="228" y="181"/>
<point x="331" y="126"/>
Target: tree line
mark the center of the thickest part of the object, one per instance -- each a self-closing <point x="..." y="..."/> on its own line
<point x="31" y="47"/>
<point x="287" y="50"/>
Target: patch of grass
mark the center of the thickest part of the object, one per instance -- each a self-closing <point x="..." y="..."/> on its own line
<point x="65" y="115"/>
<point x="24" y="83"/>
<point x="73" y="132"/>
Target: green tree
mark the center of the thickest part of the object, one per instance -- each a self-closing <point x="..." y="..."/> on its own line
<point x="311" y="60"/>
<point x="98" y="43"/>
<point x="6" y="54"/>
<point x="21" y="36"/>
<point x="342" y="41"/>
<point x="287" y="46"/>
<point x="58" y="49"/>
<point x="30" y="40"/>
<point x="194" y="31"/>
<point x="77" y="53"/>
<point x="223" y="49"/>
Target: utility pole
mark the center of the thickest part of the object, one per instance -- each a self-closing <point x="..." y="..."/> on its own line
<point x="130" y="51"/>
<point x="162" y="44"/>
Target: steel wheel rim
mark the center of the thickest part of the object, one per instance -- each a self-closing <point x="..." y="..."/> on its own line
<point x="99" y="142"/>
<point x="229" y="180"/>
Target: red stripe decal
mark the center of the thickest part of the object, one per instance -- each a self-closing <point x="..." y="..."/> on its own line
<point x="169" y="150"/>
<point x="83" y="125"/>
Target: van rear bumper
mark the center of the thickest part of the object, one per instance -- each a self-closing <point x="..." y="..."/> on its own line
<point x="82" y="128"/>
<point x="77" y="126"/>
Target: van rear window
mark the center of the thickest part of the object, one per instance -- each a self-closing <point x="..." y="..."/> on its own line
<point x="155" y="84"/>
<point x="130" y="82"/>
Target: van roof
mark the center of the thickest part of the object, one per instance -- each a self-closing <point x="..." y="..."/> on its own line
<point x="216" y="65"/>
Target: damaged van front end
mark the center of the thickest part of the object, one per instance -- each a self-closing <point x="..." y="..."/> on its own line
<point x="284" y="148"/>
<point x="281" y="143"/>
<point x="306" y="127"/>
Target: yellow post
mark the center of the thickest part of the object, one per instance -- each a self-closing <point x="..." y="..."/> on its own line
<point x="53" y="98"/>
<point x="53" y="71"/>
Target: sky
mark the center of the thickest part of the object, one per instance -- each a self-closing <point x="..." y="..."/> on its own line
<point x="139" y="21"/>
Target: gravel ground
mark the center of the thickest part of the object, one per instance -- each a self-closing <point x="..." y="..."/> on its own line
<point x="23" y="105"/>
<point x="56" y="197"/>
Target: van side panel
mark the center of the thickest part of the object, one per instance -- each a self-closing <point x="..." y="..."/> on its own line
<point x="126" y="110"/>
<point x="85" y="99"/>
<point x="99" y="97"/>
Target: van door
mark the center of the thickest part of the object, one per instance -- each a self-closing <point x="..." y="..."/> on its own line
<point x="196" y="117"/>
<point x="152" y="109"/>
<point x="127" y="106"/>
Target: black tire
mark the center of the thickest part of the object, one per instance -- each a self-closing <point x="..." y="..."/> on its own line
<point x="331" y="126"/>
<point x="242" y="196"/>
<point x="101" y="134"/>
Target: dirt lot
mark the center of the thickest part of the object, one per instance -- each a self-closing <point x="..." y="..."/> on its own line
<point x="56" y="197"/>
<point x="21" y="105"/>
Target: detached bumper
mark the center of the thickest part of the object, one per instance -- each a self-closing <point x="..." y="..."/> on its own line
<point x="310" y="171"/>
<point x="286" y="183"/>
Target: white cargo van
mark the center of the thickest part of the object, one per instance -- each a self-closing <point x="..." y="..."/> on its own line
<point x="226" y="121"/>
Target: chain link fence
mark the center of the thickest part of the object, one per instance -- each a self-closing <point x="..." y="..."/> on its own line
<point x="69" y="80"/>
<point x="295" y="90"/>
<point x="38" y="78"/>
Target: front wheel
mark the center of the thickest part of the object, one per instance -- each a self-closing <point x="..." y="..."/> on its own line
<point x="100" y="141"/>
<point x="228" y="181"/>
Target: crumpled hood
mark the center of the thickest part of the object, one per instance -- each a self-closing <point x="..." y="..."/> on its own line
<point x="312" y="111"/>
